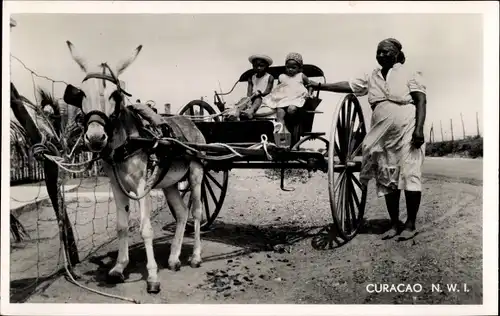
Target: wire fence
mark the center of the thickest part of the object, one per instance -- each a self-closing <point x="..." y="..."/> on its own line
<point x="452" y="130"/>
<point x="88" y="214"/>
<point x="92" y="214"/>
<point x="25" y="169"/>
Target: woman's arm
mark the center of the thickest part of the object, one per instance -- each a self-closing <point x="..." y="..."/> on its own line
<point x="418" y="93"/>
<point x="420" y="101"/>
<point x="339" y="87"/>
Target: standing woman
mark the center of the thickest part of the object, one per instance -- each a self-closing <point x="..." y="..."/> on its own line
<point x="394" y="149"/>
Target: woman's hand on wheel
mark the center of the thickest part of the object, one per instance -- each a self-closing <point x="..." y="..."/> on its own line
<point x="417" y="139"/>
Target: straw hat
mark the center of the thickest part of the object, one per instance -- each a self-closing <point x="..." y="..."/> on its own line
<point x="263" y="57"/>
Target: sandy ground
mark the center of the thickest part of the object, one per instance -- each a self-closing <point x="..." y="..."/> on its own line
<point x="243" y="261"/>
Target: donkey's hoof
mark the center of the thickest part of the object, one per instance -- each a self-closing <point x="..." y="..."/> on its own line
<point x="174" y="266"/>
<point x="153" y="287"/>
<point x="115" y="277"/>
<point x="195" y="263"/>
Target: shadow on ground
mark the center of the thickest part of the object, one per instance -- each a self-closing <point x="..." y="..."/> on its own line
<point x="266" y="238"/>
<point x="21" y="290"/>
<point x="249" y="238"/>
<point x="329" y="238"/>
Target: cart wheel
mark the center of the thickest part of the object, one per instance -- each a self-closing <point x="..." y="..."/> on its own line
<point x="200" y="108"/>
<point x="302" y="144"/>
<point x="213" y="192"/>
<point x="347" y="195"/>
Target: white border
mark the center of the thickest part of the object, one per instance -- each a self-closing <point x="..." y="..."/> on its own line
<point x="490" y="162"/>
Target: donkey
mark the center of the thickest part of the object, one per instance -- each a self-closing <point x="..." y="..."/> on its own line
<point x="107" y="125"/>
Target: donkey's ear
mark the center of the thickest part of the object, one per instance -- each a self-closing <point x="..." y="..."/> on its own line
<point x="76" y="56"/>
<point x="125" y="63"/>
<point x="73" y="96"/>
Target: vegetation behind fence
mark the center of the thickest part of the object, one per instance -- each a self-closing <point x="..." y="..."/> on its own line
<point x="24" y="168"/>
<point x="470" y="147"/>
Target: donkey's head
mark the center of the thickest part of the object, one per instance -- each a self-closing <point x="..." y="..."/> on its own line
<point x="100" y="97"/>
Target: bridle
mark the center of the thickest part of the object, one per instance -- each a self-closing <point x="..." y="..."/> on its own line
<point x="99" y="116"/>
<point x="124" y="150"/>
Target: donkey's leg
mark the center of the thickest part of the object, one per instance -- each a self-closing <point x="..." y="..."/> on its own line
<point x="181" y="214"/>
<point x="196" y="179"/>
<point x="122" y="214"/>
<point x="153" y="284"/>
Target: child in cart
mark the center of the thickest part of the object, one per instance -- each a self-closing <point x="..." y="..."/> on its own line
<point x="260" y="85"/>
<point x="291" y="92"/>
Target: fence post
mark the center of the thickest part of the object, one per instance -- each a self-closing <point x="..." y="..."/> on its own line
<point x="463" y="126"/>
<point x="442" y="136"/>
<point x="451" y="126"/>
<point x="477" y="124"/>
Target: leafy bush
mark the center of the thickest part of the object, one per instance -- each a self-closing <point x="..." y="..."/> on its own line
<point x="470" y="147"/>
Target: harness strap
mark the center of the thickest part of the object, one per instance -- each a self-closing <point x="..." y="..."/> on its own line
<point x="112" y="78"/>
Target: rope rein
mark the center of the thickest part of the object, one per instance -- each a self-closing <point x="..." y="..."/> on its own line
<point x="43" y="150"/>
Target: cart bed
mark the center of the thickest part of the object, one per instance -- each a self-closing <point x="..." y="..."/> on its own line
<point x="241" y="132"/>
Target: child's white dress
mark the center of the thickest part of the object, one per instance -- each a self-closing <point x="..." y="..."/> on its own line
<point x="290" y="91"/>
<point x="261" y="83"/>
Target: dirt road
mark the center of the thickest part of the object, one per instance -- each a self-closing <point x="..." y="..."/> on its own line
<point x="454" y="169"/>
<point x="242" y="263"/>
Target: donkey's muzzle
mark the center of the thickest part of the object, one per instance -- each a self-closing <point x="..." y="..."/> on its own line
<point x="95" y="138"/>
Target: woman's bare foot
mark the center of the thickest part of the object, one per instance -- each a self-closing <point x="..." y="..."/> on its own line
<point x="393" y="231"/>
<point x="409" y="232"/>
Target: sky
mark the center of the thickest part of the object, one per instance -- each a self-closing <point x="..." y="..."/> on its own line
<point x="187" y="56"/>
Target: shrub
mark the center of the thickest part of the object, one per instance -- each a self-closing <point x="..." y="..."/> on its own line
<point x="471" y="146"/>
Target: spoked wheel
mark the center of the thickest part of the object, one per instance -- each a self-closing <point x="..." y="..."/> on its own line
<point x="311" y="142"/>
<point x="213" y="192"/>
<point x="199" y="108"/>
<point x="347" y="195"/>
<point x="214" y="185"/>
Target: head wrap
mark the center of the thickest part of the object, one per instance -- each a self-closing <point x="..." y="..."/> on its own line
<point x="265" y="58"/>
<point x="295" y="57"/>
<point x="395" y="47"/>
